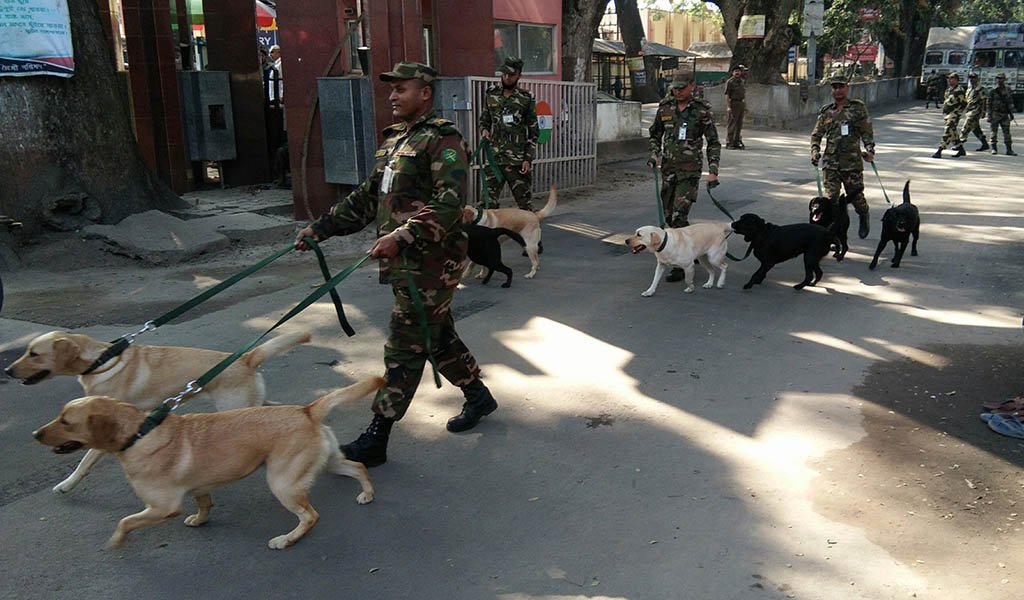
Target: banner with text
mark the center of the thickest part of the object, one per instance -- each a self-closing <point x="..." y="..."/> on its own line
<point x="35" y="38"/>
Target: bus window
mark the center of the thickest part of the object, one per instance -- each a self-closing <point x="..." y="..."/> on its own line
<point x="933" y="58"/>
<point x="957" y="58"/>
<point x="1013" y="59"/>
<point x="985" y="58"/>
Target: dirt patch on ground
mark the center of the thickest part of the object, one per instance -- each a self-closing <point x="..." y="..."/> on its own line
<point x="931" y="483"/>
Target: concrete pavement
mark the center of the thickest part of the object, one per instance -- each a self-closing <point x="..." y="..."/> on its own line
<point x="721" y="444"/>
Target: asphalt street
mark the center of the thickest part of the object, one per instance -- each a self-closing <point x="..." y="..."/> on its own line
<point x="683" y="446"/>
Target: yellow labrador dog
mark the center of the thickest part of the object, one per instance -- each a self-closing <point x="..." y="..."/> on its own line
<point x="706" y="243"/>
<point x="145" y="375"/>
<point x="194" y="453"/>
<point x="523" y="222"/>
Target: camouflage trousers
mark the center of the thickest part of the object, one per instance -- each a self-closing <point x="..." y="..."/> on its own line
<point x="950" y="137"/>
<point x="520" y="184"/>
<point x="678" y="193"/>
<point x="405" y="352"/>
<point x="972" y="124"/>
<point x="852" y="182"/>
<point x="1004" y="122"/>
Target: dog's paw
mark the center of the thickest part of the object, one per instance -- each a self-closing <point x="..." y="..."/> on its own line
<point x="64" y="487"/>
<point x="194" y="520"/>
<point x="689" y="290"/>
<point x="747" y="286"/>
<point x="895" y="265"/>
<point x="720" y="285"/>
<point x="708" y="285"/>
<point x="529" y="275"/>
<point x="873" y="265"/>
<point x="364" y="498"/>
<point x="506" y="285"/>
<point x="279" y="543"/>
<point x="647" y="293"/>
<point x="115" y="541"/>
<point x="800" y="286"/>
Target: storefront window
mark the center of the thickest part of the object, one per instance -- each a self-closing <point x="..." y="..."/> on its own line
<point x="532" y="43"/>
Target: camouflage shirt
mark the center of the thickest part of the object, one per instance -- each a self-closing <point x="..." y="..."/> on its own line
<point x="735" y="89"/>
<point x="1000" y="102"/>
<point x="976" y="98"/>
<point x="512" y="121"/>
<point x="417" y="188"/>
<point x="843" y="131"/>
<point x="677" y="136"/>
<point x="954" y="102"/>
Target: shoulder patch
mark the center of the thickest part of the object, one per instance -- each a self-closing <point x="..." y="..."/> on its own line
<point x="450" y="155"/>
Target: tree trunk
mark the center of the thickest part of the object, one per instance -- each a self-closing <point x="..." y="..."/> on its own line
<point x="632" y="29"/>
<point x="69" y="155"/>
<point x="763" y="57"/>
<point x="580" y="19"/>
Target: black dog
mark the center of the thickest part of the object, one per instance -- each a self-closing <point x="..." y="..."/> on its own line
<point x="898" y="224"/>
<point x="485" y="249"/>
<point x="773" y="244"/>
<point x="823" y="212"/>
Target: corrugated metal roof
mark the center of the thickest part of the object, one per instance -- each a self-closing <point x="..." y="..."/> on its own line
<point x="616" y="47"/>
<point x="711" y="49"/>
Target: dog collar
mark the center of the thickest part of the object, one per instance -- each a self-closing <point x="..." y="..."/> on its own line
<point x="479" y="216"/>
<point x="153" y="419"/>
<point x="112" y="351"/>
<point x="664" y="241"/>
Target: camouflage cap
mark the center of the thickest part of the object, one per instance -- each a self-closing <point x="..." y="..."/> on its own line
<point x="838" y="80"/>
<point x="953" y="76"/>
<point x="740" y="67"/>
<point x="410" y="70"/>
<point x="681" y="80"/>
<point x="512" y="64"/>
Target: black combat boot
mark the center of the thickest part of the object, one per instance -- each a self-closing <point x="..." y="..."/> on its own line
<point x="984" y="145"/>
<point x="1009" y="151"/>
<point x="371" y="447"/>
<point x="938" y="153"/>
<point x="995" y="147"/>
<point x="865" y="227"/>
<point x="479" y="403"/>
<point x="676" y="274"/>
<point x="960" y="152"/>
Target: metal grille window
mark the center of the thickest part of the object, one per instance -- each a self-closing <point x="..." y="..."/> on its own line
<point x="535" y="44"/>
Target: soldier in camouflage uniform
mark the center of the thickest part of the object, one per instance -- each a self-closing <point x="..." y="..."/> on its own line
<point x="509" y="121"/>
<point x="416" y="194"/>
<point x="953" y="105"/>
<point x="735" y="108"/>
<point x="680" y="128"/>
<point x="1000" y="113"/>
<point x="976" y="98"/>
<point x="844" y="125"/>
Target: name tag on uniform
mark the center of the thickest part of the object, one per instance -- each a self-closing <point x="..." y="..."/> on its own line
<point x="385" y="183"/>
<point x="507" y="119"/>
<point x="682" y="133"/>
<point x="844" y="129"/>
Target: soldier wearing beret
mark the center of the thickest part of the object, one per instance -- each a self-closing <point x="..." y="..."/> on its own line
<point x="843" y="125"/>
<point x="953" y="105"/>
<point x="415" y="195"/>
<point x="508" y="119"/>
<point x="677" y="136"/>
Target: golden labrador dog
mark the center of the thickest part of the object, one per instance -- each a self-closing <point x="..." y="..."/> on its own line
<point x="523" y="222"/>
<point x="146" y="375"/>
<point x="194" y="453"/>
<point x="705" y="243"/>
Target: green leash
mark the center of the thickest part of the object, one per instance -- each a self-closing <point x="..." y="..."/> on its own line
<point x="880" y="183"/>
<point x="484" y="157"/>
<point x="657" y="198"/>
<point x="157" y="415"/>
<point x="121" y="344"/>
<point x="731" y="218"/>
<point x="817" y="175"/>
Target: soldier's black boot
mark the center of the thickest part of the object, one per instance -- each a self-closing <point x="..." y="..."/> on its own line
<point x="984" y="145"/>
<point x="995" y="147"/>
<point x="865" y="227"/>
<point x="371" y="447"/>
<point x="1009" y="151"/>
<point x="479" y="403"/>
<point x="960" y="152"/>
<point x="676" y="274"/>
<point x="938" y="153"/>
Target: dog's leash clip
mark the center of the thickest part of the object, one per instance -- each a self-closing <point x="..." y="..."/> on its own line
<point x="191" y="389"/>
<point x="146" y="327"/>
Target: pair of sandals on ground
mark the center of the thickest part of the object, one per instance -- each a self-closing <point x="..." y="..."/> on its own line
<point x="1006" y="418"/>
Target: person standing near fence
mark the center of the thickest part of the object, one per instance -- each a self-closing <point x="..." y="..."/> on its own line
<point x="735" y="108"/>
<point x="508" y="120"/>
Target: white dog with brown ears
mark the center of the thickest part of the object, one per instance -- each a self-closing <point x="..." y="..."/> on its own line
<point x="681" y="247"/>
<point x="523" y="222"/>
<point x="145" y="375"/>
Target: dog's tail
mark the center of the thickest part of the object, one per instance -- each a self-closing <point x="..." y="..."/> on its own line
<point x="549" y="208"/>
<point x="906" y="192"/>
<point x="275" y="346"/>
<point x="515" y="236"/>
<point x="319" y="408"/>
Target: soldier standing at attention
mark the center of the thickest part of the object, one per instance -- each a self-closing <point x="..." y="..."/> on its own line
<point x="735" y="92"/>
<point x="415" y="193"/>
<point x="680" y="127"/>
<point x="844" y="124"/>
<point x="1000" y="113"/>
<point x="976" y="99"/>
<point x="953" y="105"/>
<point x="509" y="121"/>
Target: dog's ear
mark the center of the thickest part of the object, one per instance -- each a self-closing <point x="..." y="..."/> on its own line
<point x="65" y="351"/>
<point x="104" y="430"/>
<point x="655" y="240"/>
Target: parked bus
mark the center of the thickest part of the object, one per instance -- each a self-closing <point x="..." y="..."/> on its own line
<point x="947" y="51"/>
<point x="998" y="48"/>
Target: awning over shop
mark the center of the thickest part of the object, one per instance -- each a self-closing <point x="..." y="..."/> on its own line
<point x="618" y="48"/>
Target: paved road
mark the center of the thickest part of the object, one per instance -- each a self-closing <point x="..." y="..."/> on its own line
<point x="721" y="444"/>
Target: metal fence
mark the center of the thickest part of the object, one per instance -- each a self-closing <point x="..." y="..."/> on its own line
<point x="568" y="159"/>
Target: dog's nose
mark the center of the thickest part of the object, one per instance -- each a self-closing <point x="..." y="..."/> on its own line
<point x="38" y="433"/>
<point x="8" y="371"/>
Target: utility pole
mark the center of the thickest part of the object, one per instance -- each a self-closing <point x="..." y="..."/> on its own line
<point x="814" y="19"/>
